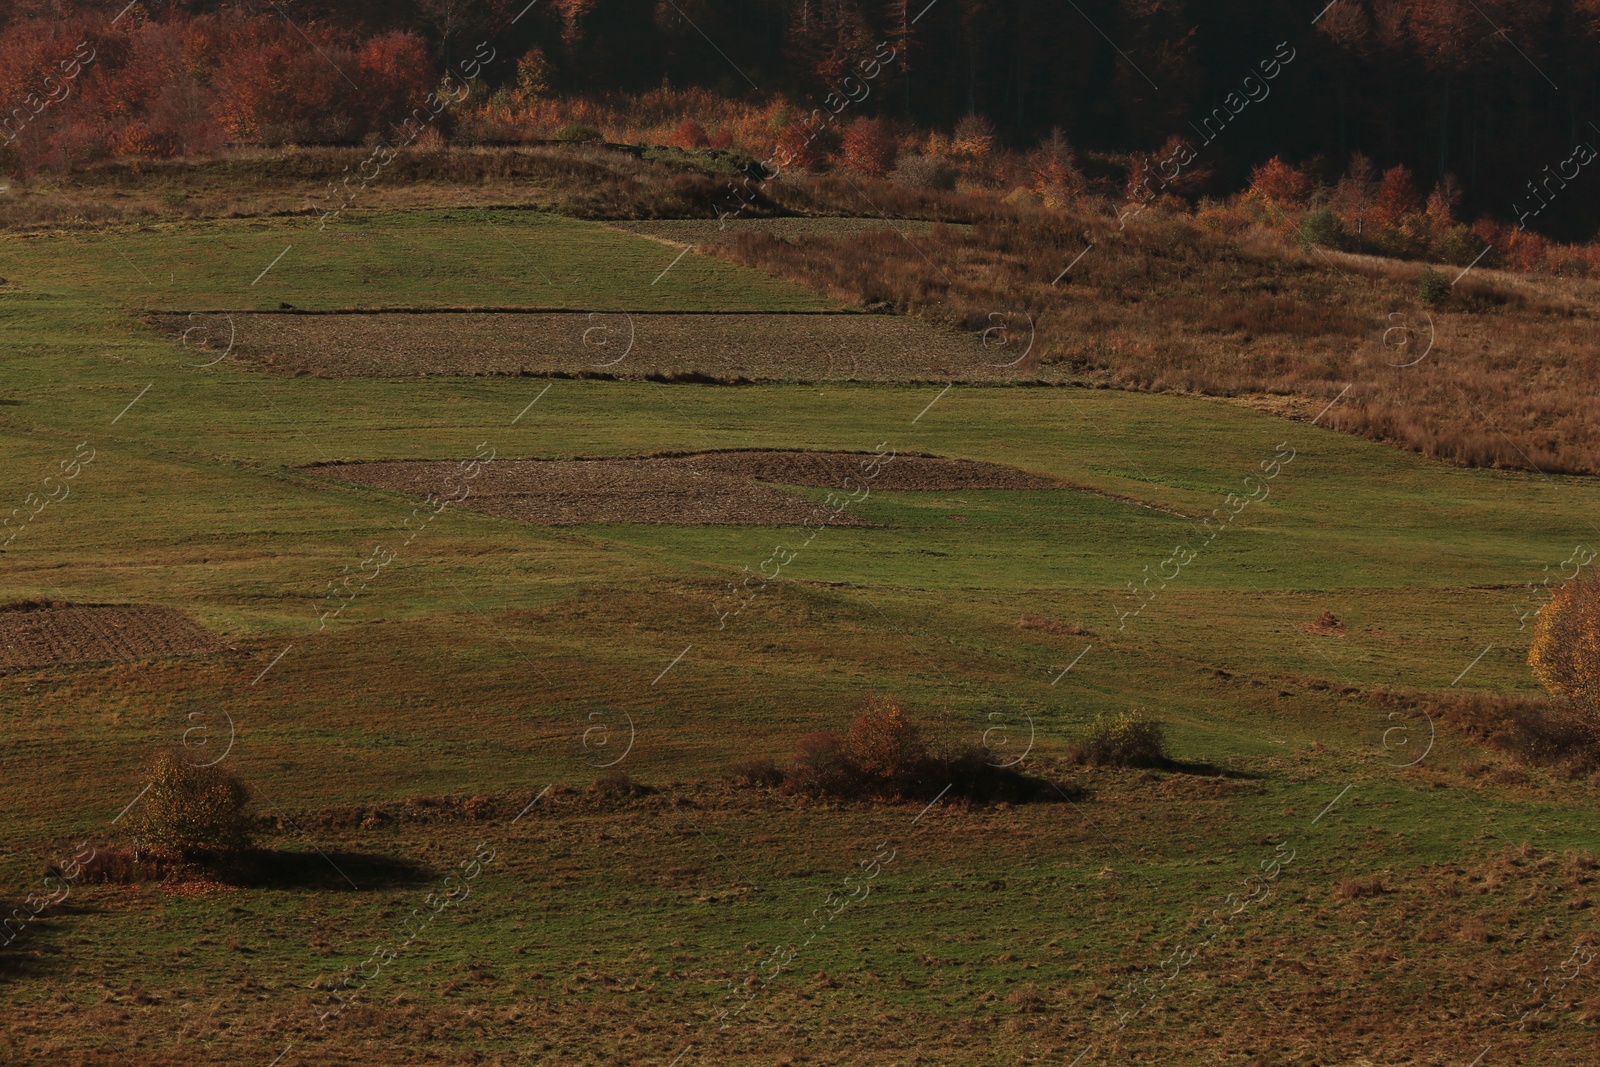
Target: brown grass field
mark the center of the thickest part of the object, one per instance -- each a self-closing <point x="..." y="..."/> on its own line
<point x="618" y="344"/>
<point x="720" y="488"/>
<point x="1482" y="380"/>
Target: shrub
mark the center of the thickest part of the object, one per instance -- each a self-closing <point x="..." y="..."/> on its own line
<point x="1433" y="288"/>
<point x="1527" y="727"/>
<point x="882" y="755"/>
<point x="799" y="148"/>
<point x="619" y="784"/>
<point x="688" y="134"/>
<point x="883" y="743"/>
<point x="1127" y="740"/>
<point x="1320" y="227"/>
<point x="1565" y="651"/>
<point x="579" y="131"/>
<point x="820" y="765"/>
<point x="758" y="773"/>
<point x="1052" y="171"/>
<point x="1359" y="888"/>
<point x="867" y="148"/>
<point x="925" y="172"/>
<point x="193" y="811"/>
<point x="973" y="139"/>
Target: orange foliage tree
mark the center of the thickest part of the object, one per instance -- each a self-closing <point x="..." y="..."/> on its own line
<point x="867" y="148"/>
<point x="688" y="134"/>
<point x="1053" y="170"/>
<point x="396" y="75"/>
<point x="1397" y="197"/>
<point x="1278" y="185"/>
<point x="883" y="741"/>
<point x="1565" y="651"/>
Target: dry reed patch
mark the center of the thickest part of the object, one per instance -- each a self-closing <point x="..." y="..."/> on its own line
<point x="716" y="488"/>
<point x="1485" y="380"/>
<point x="614" y="344"/>
<point x="43" y="633"/>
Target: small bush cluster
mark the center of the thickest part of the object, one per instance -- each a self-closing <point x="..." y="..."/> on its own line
<point x="882" y="755"/>
<point x="1129" y="739"/>
<point x="1531" y="729"/>
<point x="620" y="784"/>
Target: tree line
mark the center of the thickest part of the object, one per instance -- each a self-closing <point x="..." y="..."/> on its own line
<point x="1487" y="92"/>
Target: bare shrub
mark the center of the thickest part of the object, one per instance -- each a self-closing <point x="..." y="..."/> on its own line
<point x="821" y="766"/>
<point x="1528" y="727"/>
<point x="620" y="784"/>
<point x="759" y="773"/>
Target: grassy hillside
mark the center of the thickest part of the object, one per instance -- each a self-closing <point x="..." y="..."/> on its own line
<point x="608" y="929"/>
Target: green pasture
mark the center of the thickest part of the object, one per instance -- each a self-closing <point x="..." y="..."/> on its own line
<point x="473" y="664"/>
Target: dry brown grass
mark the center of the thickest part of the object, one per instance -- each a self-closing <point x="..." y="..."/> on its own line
<point x="1168" y="307"/>
<point x="591" y="181"/>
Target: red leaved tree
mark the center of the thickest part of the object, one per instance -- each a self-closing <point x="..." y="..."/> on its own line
<point x="1278" y="185"/>
<point x="1397" y="197"/>
<point x="868" y="148"/>
<point x="396" y="75"/>
<point x="688" y="134"/>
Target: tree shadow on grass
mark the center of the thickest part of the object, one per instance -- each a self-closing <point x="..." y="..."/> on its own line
<point x="274" y="869"/>
<point x="35" y="950"/>
<point x="1210" y="770"/>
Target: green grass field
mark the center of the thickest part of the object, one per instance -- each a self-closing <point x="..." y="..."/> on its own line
<point x="607" y="931"/>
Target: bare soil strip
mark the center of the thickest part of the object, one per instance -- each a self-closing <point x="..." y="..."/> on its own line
<point x="615" y="344"/>
<point x="714" y="488"/>
<point x="44" y="633"/>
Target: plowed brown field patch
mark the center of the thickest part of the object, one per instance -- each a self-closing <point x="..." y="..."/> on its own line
<point x="629" y="345"/>
<point x="44" y="633"/>
<point x="712" y="488"/>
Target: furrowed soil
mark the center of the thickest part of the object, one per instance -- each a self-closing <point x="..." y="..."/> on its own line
<point x="619" y="344"/>
<point x="721" y="488"/>
<point x="40" y="634"/>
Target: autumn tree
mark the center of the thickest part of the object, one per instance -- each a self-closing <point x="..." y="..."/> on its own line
<point x="193" y="810"/>
<point x="867" y="148"/>
<point x="396" y="75"/>
<point x="973" y="140"/>
<point x="1052" y="170"/>
<point x="883" y="741"/>
<point x="1397" y="197"/>
<point x="1279" y="186"/>
<point x="1565" y="651"/>
<point x="1355" y="194"/>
